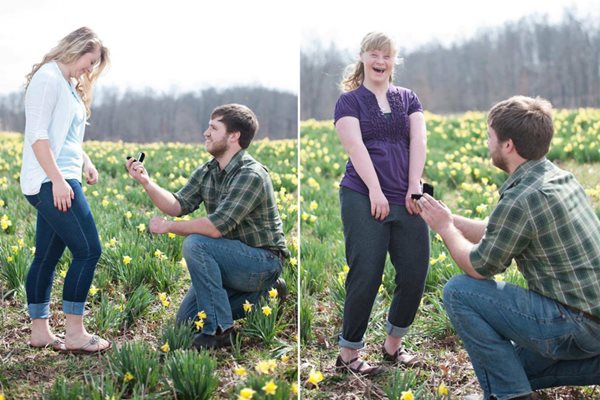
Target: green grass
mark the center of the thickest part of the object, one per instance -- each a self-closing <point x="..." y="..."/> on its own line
<point x="137" y="296"/>
<point x="458" y="167"/>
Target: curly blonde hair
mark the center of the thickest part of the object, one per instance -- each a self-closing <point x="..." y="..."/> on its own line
<point x="70" y="49"/>
<point x="354" y="74"/>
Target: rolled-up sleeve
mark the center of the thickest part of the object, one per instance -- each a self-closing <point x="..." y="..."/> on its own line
<point x="190" y="195"/>
<point x="40" y="99"/>
<point x="245" y="193"/>
<point x="508" y="232"/>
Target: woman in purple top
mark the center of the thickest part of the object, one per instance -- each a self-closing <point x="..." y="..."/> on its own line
<point x="382" y="128"/>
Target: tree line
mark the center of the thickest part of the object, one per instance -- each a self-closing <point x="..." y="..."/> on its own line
<point x="146" y="116"/>
<point x="560" y="62"/>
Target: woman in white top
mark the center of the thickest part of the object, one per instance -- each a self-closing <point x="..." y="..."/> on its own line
<point x="57" y="105"/>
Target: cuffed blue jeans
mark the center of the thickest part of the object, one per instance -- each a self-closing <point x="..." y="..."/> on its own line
<point x="225" y="273"/>
<point x="520" y="341"/>
<point x="368" y="241"/>
<point x="56" y="230"/>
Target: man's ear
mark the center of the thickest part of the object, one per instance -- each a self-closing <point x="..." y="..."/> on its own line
<point x="509" y="145"/>
<point x="234" y="136"/>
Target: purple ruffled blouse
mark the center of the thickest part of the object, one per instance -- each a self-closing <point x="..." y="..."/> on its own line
<point x="387" y="138"/>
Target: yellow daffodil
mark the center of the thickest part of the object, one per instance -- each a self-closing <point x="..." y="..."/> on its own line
<point x="5" y="223"/>
<point x="171" y="235"/>
<point x="270" y="387"/>
<point x="2" y="396"/>
<point x="408" y="395"/>
<point x="295" y="388"/>
<point x="266" y="310"/>
<point x="246" y="394"/>
<point x="164" y="299"/>
<point x="93" y="290"/>
<point x="128" y="215"/>
<point x="293" y="261"/>
<point x="266" y="366"/>
<point x="285" y="358"/>
<point x="247" y="306"/>
<point x="141" y="228"/>
<point x="126" y="260"/>
<point x="240" y="371"/>
<point x="273" y="293"/>
<point x="199" y="324"/>
<point x="442" y="389"/>
<point x="202" y="315"/>
<point x="128" y="377"/>
<point x="165" y="347"/>
<point x="314" y="377"/>
<point x="10" y="258"/>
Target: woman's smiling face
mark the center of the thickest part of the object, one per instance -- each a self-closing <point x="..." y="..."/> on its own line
<point x="379" y="65"/>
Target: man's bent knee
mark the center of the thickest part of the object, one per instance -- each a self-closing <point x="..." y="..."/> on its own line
<point x="452" y="288"/>
<point x="194" y="243"/>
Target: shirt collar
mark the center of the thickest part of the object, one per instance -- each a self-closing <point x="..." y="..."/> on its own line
<point x="519" y="173"/>
<point x="362" y="89"/>
<point x="233" y="163"/>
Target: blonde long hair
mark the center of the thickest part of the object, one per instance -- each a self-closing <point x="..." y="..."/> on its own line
<point x="354" y="74"/>
<point x="70" y="49"/>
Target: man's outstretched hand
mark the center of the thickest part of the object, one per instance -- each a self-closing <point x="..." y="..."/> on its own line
<point x="435" y="213"/>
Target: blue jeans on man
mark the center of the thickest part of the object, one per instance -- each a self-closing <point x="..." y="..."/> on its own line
<point x="225" y="273"/>
<point x="519" y="340"/>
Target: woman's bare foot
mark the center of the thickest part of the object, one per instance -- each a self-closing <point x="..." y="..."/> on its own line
<point x="42" y="336"/>
<point x="77" y="338"/>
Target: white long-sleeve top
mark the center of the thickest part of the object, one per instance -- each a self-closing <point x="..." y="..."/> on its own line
<point x="49" y="112"/>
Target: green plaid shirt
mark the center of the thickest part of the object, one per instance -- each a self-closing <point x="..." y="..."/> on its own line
<point x="545" y="222"/>
<point x="239" y="201"/>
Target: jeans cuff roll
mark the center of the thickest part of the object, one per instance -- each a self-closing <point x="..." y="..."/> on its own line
<point x="73" y="307"/>
<point x="39" y="310"/>
<point x="395" y="331"/>
<point x="351" y="345"/>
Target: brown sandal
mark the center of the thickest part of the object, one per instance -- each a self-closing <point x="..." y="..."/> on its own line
<point x="367" y="372"/>
<point x="402" y="357"/>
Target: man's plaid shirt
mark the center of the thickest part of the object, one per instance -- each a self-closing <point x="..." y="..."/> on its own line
<point x="239" y="201"/>
<point x="545" y="222"/>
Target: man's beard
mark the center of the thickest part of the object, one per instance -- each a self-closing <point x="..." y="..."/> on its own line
<point x="218" y="148"/>
<point x="498" y="161"/>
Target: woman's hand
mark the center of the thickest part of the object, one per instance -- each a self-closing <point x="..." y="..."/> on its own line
<point x="380" y="208"/>
<point x="91" y="173"/>
<point x="62" y="194"/>
<point x="411" y="205"/>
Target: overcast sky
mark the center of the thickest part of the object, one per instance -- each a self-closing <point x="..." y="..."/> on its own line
<point x="189" y="45"/>
<point x="417" y="22"/>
